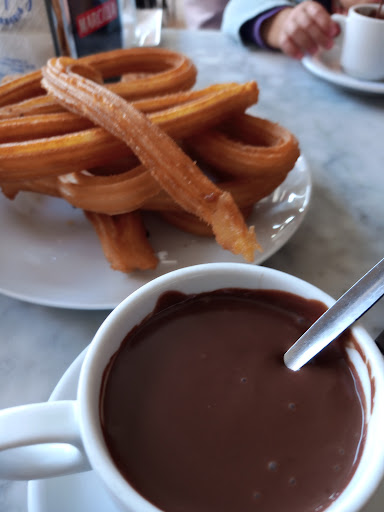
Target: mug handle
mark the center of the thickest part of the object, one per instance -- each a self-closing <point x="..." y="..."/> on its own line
<point x="338" y="41"/>
<point x="41" y="440"/>
<point x="341" y="19"/>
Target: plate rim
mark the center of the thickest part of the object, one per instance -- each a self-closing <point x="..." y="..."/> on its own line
<point x="301" y="166"/>
<point x="317" y="65"/>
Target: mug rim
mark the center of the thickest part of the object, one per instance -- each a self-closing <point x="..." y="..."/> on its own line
<point x="89" y="383"/>
<point x="355" y="10"/>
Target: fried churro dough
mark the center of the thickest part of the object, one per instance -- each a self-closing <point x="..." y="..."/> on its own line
<point x="124" y="241"/>
<point x="197" y="103"/>
<point x="117" y="148"/>
<point x="113" y="195"/>
<point x="20" y="88"/>
<point x="247" y="146"/>
<point x="60" y="154"/>
<point x="191" y="224"/>
<point x="169" y="71"/>
<point x="47" y="186"/>
<point x="167" y="163"/>
<point x="137" y="189"/>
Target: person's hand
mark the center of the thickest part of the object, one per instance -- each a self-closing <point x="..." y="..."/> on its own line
<point x="302" y="29"/>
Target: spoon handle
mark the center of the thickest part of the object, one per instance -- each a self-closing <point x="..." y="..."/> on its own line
<point x="351" y="306"/>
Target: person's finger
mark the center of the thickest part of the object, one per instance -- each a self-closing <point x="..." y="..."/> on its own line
<point x="307" y="27"/>
<point x="318" y="36"/>
<point x="290" y="48"/>
<point x="298" y="31"/>
<point x="320" y="21"/>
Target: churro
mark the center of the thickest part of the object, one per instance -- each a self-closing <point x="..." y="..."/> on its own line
<point x="138" y="143"/>
<point x="167" y="163"/>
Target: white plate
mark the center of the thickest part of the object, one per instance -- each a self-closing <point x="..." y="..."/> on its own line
<point x="84" y="491"/>
<point x="50" y="255"/>
<point x="326" y="65"/>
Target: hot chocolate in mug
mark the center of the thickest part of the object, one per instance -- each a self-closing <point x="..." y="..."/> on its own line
<point x="362" y="42"/>
<point x="184" y="402"/>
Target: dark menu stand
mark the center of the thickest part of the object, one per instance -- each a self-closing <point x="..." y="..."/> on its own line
<point x="151" y="4"/>
<point x="91" y="26"/>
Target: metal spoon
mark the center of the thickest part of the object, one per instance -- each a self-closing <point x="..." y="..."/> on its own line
<point x="351" y="306"/>
<point x="378" y="12"/>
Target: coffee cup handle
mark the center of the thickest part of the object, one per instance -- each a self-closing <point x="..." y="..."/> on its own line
<point x="341" y="19"/>
<point x="41" y="440"/>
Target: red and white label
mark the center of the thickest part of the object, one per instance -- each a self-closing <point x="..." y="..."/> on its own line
<point x="95" y="18"/>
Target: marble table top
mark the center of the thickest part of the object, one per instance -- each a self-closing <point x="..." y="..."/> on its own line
<point x="342" y="236"/>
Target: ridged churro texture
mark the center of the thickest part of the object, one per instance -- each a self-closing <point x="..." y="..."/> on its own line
<point x="139" y="142"/>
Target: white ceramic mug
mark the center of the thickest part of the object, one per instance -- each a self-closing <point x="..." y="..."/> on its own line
<point x="362" y="42"/>
<point x="72" y="428"/>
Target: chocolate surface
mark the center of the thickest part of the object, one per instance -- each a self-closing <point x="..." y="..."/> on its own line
<point x="200" y="413"/>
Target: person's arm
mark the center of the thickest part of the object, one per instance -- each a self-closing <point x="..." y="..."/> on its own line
<point x="295" y="29"/>
<point x="238" y="12"/>
<point x="252" y="30"/>
<point x="302" y="29"/>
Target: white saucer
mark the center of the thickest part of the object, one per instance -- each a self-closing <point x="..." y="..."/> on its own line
<point x="52" y="255"/>
<point x="83" y="492"/>
<point x="326" y="65"/>
<point x="74" y="493"/>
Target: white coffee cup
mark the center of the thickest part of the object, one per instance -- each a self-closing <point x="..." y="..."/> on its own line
<point x="362" y="42"/>
<point x="56" y="438"/>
